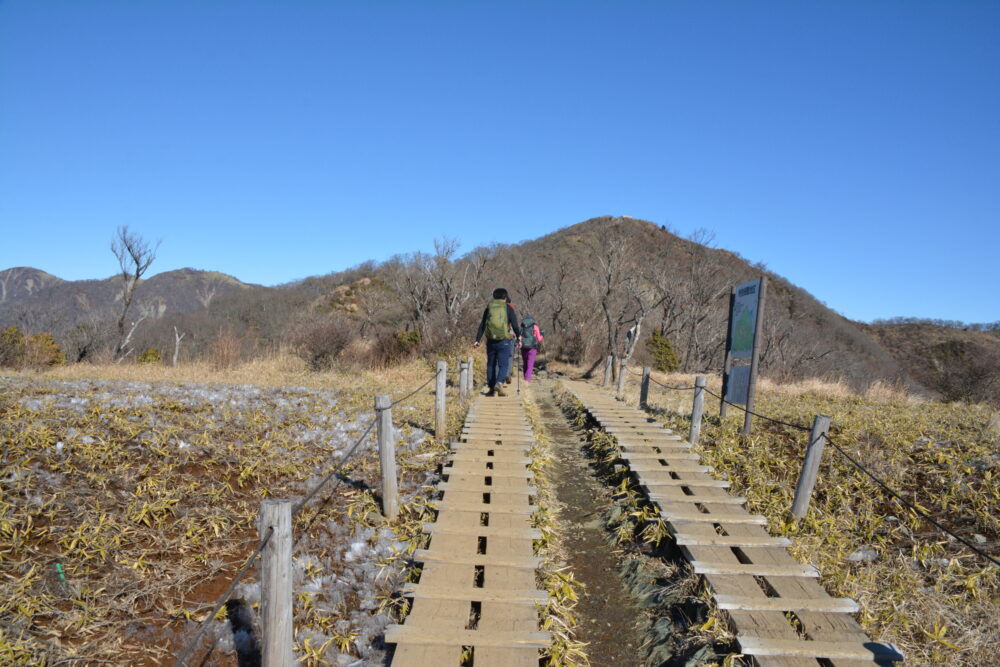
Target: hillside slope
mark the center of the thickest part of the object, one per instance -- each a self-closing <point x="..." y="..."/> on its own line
<point x="960" y="364"/>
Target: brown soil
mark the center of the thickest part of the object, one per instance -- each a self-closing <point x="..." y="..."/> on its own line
<point x="607" y="614"/>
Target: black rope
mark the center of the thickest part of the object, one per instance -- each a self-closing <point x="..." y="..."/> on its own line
<point x="398" y="401"/>
<point x="222" y="599"/>
<point x="908" y="503"/>
<point x="653" y="380"/>
<point x="770" y="419"/>
<point x="343" y="459"/>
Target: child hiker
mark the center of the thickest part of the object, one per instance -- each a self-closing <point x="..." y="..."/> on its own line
<point x="496" y="318"/>
<point x="531" y="341"/>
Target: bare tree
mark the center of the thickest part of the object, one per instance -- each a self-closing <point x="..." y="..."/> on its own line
<point x="455" y="282"/>
<point x="134" y="257"/>
<point x="177" y="344"/>
<point x="627" y="293"/>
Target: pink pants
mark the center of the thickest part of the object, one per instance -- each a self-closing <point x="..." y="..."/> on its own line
<point x="528" y="355"/>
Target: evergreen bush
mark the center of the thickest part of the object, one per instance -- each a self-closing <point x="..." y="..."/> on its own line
<point x="664" y="358"/>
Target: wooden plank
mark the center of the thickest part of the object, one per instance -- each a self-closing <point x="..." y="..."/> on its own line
<point x="432" y="556"/>
<point x="755" y="569"/>
<point x="475" y="594"/>
<point x="868" y="651"/>
<point x="833" y="605"/>
<point x="679" y="466"/>
<point x="506" y="447"/>
<point x="484" y="531"/>
<point x="449" y="471"/>
<point x="730" y="541"/>
<point x="694" y="515"/>
<point x="501" y="457"/>
<point x="693" y="483"/>
<point x="676" y="494"/>
<point x="395" y="634"/>
<point x="481" y="486"/>
<point x="445" y="505"/>
<point x="640" y="457"/>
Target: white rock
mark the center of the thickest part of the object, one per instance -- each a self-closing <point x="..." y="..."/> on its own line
<point x="865" y="554"/>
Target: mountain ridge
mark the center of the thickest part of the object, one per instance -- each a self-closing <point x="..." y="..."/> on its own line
<point x="556" y="277"/>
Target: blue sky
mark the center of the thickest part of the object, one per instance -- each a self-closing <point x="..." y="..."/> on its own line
<point x="852" y="147"/>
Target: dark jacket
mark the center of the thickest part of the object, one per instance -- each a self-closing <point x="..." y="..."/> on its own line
<point x="511" y="317"/>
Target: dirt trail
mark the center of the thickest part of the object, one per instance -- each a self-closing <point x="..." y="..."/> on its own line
<point x="607" y="614"/>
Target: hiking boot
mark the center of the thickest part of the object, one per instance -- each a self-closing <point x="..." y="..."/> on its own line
<point x="501" y="392"/>
<point x="508" y="380"/>
<point x="490" y="392"/>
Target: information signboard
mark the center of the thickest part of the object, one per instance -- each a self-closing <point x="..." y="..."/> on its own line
<point x="738" y="385"/>
<point x="743" y="319"/>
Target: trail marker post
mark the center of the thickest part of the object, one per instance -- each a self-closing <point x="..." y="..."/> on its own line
<point x="470" y="381"/>
<point x="644" y="388"/>
<point x="463" y="380"/>
<point x="810" y="466"/>
<point x="440" y="412"/>
<point x="607" y="370"/>
<point x="387" y="456"/>
<point x="276" y="583"/>
<point x="697" y="409"/>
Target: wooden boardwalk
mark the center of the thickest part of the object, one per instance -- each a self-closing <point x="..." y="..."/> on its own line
<point x="477" y="593"/>
<point x="780" y="612"/>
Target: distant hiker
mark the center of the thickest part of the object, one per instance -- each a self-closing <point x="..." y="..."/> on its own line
<point x="531" y="341"/>
<point x="498" y="319"/>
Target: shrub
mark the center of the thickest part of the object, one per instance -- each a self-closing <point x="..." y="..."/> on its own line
<point x="12" y="348"/>
<point x="20" y="351"/>
<point x="572" y="348"/>
<point x="664" y="358"/>
<point x="320" y="343"/>
<point x="44" y="351"/>
<point x="394" y="348"/>
<point x="150" y="356"/>
<point x="226" y="350"/>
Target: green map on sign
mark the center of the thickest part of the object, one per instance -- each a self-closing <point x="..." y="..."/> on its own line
<point x="743" y="332"/>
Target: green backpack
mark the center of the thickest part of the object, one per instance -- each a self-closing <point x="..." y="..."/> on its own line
<point x="496" y="321"/>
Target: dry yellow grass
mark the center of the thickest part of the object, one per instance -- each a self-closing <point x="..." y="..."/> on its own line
<point x="146" y="498"/>
<point x="279" y="369"/>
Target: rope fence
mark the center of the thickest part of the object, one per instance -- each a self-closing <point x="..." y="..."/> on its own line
<point x="819" y="434"/>
<point x="386" y="444"/>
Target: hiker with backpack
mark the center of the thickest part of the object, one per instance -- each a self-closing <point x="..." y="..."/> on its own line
<point x="531" y="342"/>
<point x="497" y="317"/>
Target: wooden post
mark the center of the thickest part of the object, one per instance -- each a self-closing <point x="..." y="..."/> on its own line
<point x="470" y="381"/>
<point x="697" y="409"/>
<point x="440" y="415"/>
<point x="607" y="370"/>
<point x="810" y="466"/>
<point x="758" y="334"/>
<point x="644" y="388"/>
<point x="276" y="584"/>
<point x="727" y="361"/>
<point x="620" y="385"/>
<point x="463" y="380"/>
<point x="387" y="456"/>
